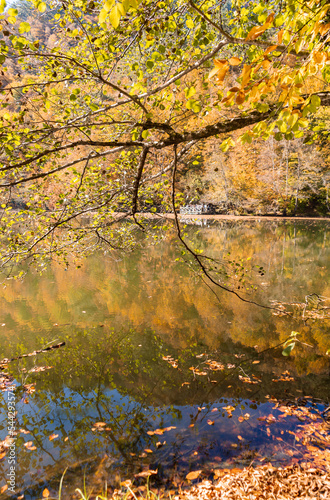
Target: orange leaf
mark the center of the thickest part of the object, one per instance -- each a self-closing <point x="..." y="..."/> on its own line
<point x="4" y="488"/>
<point x="193" y="475"/>
<point x="221" y="68"/>
<point x="45" y="493"/>
<point x="255" y="32"/>
<point x="270" y="49"/>
<point x="246" y="73"/>
<point x="234" y="61"/>
<point x="259" y="30"/>
<point x="280" y="36"/>
<point x="240" y="98"/>
<point x="146" y="473"/>
<point x="53" y="436"/>
<point x="210" y="422"/>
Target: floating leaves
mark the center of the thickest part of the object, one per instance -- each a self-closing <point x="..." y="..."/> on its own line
<point x="159" y="432"/>
<point x="173" y="362"/>
<point x="193" y="475"/>
<point x="146" y="473"/>
<point x="30" y="446"/>
<point x="52" y="437"/>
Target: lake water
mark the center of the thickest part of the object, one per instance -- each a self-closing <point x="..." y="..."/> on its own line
<point x="157" y="371"/>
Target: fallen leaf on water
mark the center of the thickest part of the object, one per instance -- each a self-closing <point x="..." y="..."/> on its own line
<point x="246" y="416"/>
<point x="29" y="445"/>
<point x="210" y="422"/>
<point x="192" y="425"/>
<point x="147" y="450"/>
<point x="146" y="473"/>
<point x="126" y="483"/>
<point x="100" y="424"/>
<point x="4" y="488"/>
<point x="29" y="388"/>
<point x="255" y="362"/>
<point x="241" y="419"/>
<point x="193" y="475"/>
<point x="159" y="444"/>
<point x="66" y="438"/>
<point x="159" y="432"/>
<point x="53" y="436"/>
<point x="214" y="409"/>
<point x="3" y="454"/>
<point x="240" y="438"/>
<point x="45" y="493"/>
<point x="23" y="431"/>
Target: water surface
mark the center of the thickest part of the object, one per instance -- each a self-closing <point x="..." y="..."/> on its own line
<point x="150" y="347"/>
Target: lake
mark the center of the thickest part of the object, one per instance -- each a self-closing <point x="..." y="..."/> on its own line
<point x="160" y="371"/>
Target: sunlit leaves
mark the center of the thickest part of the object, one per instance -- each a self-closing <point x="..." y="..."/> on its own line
<point x="257" y="31"/>
<point x="115" y="11"/>
<point x="24" y="27"/>
<point x="220" y="70"/>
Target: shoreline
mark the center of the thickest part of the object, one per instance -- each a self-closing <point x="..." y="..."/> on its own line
<point x="229" y="217"/>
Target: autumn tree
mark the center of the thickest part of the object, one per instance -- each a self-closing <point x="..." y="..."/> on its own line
<point x="110" y="113"/>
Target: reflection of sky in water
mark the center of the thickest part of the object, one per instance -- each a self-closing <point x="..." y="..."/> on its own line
<point x="120" y="319"/>
<point x="203" y="436"/>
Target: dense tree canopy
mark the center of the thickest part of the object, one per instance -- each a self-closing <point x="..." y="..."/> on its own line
<point x="103" y="104"/>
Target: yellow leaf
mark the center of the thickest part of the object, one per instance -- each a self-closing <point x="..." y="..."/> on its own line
<point x="102" y="16"/>
<point x="190" y="23"/>
<point x="115" y="16"/>
<point x="193" y="475"/>
<point x="234" y="61"/>
<point x="42" y="7"/>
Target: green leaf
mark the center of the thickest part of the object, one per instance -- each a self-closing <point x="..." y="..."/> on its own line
<point x="288" y="349"/>
<point x="315" y="101"/>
